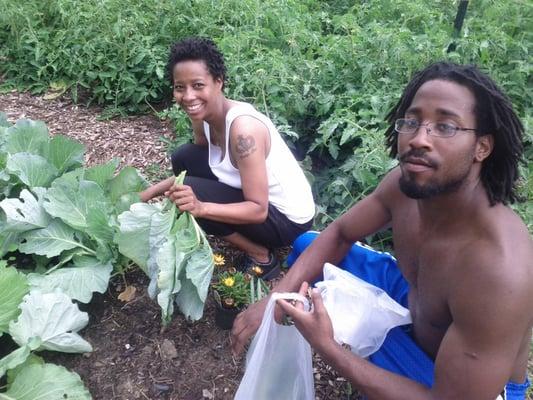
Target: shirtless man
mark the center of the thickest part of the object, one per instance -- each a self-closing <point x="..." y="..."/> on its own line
<point x="466" y="259"/>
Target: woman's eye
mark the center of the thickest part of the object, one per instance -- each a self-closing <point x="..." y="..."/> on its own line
<point x="198" y="85"/>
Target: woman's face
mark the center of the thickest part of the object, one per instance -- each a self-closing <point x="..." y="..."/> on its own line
<point x="195" y="89"/>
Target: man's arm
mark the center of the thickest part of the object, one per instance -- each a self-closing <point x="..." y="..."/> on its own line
<point x="366" y="217"/>
<point x="491" y="316"/>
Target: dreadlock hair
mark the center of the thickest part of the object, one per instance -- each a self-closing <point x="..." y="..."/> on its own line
<point x="494" y="115"/>
<point x="197" y="49"/>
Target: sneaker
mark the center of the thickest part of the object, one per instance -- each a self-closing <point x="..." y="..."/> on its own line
<point x="266" y="271"/>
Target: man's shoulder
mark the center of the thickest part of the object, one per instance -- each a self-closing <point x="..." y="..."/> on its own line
<point x="499" y="255"/>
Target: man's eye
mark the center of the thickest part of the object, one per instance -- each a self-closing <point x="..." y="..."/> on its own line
<point x="445" y="128"/>
<point x="411" y="123"/>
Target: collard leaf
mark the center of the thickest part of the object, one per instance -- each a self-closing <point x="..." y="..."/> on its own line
<point x="32" y="170"/>
<point x="31" y="360"/>
<point x="16" y="358"/>
<point x="138" y="233"/>
<point x="64" y="153"/>
<point x="9" y="241"/>
<point x="13" y="288"/>
<point x="49" y="241"/>
<point x="78" y="282"/>
<point x="54" y="319"/>
<point x="128" y="180"/>
<point x="26" y="212"/>
<point x="98" y="225"/>
<point x="46" y="382"/>
<point x="71" y="202"/>
<point x="166" y="283"/>
<point x="27" y="136"/>
<point x="189" y="302"/>
<point x="3" y="120"/>
<point x="200" y="269"/>
<point x="103" y="173"/>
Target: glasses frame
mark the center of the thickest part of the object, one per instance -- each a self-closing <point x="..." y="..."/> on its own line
<point x="430" y="127"/>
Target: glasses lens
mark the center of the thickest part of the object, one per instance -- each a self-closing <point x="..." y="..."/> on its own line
<point x="406" y="125"/>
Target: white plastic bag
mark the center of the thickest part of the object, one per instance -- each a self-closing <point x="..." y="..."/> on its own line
<point x="361" y="314"/>
<point x="278" y="363"/>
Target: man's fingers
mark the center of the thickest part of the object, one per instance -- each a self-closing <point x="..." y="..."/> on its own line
<point x="303" y="289"/>
<point x="318" y="303"/>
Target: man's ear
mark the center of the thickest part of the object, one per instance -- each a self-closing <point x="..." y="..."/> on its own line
<point x="484" y="146"/>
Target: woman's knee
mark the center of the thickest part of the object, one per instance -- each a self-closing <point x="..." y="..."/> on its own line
<point x="182" y="157"/>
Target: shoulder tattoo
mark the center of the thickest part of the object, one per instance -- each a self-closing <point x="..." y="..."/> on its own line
<point x="245" y="145"/>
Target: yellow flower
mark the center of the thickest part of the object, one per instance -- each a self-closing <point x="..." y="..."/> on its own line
<point x="229" y="281"/>
<point x="257" y="270"/>
<point x="219" y="259"/>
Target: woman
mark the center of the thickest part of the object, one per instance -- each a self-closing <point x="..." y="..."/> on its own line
<point x="243" y="183"/>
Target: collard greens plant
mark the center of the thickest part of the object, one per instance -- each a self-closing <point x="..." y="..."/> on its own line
<point x="173" y="251"/>
<point x="58" y="222"/>
<point x="38" y="321"/>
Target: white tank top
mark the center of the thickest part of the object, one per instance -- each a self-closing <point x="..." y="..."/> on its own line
<point x="288" y="189"/>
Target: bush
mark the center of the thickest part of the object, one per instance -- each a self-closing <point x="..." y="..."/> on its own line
<point x="326" y="72"/>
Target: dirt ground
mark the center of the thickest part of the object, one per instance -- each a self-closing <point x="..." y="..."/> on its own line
<point x="133" y="357"/>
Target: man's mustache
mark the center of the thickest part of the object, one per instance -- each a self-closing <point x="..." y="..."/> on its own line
<point x="417" y="156"/>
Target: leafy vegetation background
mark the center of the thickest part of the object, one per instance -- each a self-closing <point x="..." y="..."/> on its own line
<point x="326" y="71"/>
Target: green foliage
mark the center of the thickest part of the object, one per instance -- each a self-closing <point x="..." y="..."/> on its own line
<point x="326" y="72"/>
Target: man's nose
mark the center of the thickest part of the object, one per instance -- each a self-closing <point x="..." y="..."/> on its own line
<point x="421" y="137"/>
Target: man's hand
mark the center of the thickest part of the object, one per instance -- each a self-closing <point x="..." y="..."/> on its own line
<point x="315" y="326"/>
<point x="246" y="324"/>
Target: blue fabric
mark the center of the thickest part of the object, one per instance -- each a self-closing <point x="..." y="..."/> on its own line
<point x="399" y="353"/>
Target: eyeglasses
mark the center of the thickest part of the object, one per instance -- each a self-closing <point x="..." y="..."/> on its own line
<point x="440" y="129"/>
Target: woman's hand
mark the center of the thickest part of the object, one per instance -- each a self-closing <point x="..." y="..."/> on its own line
<point x="185" y="199"/>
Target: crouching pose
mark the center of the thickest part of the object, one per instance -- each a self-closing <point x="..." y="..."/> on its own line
<point x="464" y="259"/>
<point x="242" y="183"/>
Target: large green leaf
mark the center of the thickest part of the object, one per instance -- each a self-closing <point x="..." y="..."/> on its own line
<point x="102" y="173"/>
<point x="26" y="212"/>
<point x="138" y="234"/>
<point x="19" y="356"/>
<point x="166" y="283"/>
<point x="13" y="287"/>
<point x="78" y="282"/>
<point x="99" y="225"/>
<point x="128" y="180"/>
<point x="9" y="241"/>
<point x="27" y="136"/>
<point x="46" y="382"/>
<point x="32" y="359"/>
<point x="64" y="153"/>
<point x="54" y="319"/>
<point x="3" y="120"/>
<point x="200" y="269"/>
<point x="189" y="302"/>
<point x="33" y="170"/>
<point x="72" y="201"/>
<point x="49" y="241"/>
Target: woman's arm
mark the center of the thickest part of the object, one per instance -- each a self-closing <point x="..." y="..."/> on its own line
<point x="249" y="146"/>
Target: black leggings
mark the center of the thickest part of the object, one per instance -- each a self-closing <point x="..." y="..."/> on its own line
<point x="276" y="231"/>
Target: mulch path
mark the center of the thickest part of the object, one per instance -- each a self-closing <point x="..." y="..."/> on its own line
<point x="134" y="357"/>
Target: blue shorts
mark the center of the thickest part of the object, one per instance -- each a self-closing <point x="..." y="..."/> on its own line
<point x="399" y="353"/>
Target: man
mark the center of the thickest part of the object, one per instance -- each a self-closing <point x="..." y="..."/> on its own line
<point x="464" y="267"/>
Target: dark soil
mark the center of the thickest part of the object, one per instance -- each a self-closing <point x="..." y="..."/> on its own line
<point x="134" y="357"/>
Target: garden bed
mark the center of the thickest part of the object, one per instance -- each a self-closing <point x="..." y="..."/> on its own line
<point x="133" y="357"/>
